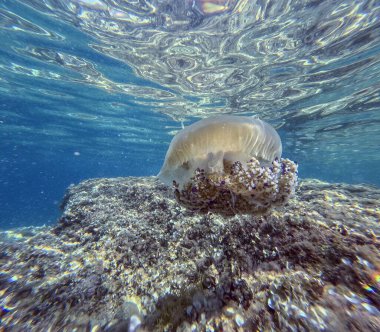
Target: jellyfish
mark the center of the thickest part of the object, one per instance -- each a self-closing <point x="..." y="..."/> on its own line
<point x="229" y="164"/>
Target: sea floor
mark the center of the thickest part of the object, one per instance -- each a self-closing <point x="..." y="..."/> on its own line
<point x="125" y="256"/>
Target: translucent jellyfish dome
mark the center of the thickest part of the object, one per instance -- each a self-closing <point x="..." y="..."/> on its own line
<point x="229" y="164"/>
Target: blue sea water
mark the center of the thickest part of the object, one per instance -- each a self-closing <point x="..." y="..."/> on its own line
<point x="97" y="88"/>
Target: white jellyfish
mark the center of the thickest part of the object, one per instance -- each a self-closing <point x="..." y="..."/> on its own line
<point x="229" y="164"/>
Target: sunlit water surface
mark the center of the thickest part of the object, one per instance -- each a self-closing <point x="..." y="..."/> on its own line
<point x="92" y="88"/>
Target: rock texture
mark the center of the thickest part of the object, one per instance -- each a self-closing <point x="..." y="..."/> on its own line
<point x="125" y="256"/>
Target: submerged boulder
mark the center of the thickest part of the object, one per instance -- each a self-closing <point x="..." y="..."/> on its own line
<point x="126" y="256"/>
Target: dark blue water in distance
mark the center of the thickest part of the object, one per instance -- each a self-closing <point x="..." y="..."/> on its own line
<point x="92" y="88"/>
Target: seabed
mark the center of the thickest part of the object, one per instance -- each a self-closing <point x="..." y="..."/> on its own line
<point x="125" y="256"/>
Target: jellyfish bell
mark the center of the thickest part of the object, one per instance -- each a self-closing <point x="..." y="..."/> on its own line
<point x="243" y="153"/>
<point x="209" y="143"/>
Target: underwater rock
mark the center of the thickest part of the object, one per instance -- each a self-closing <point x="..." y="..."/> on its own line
<point x="126" y="256"/>
<point x="229" y="164"/>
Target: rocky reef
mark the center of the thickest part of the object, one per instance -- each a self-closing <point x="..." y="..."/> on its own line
<point x="125" y="256"/>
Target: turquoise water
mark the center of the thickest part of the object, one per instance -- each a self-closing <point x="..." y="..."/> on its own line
<point x="92" y="88"/>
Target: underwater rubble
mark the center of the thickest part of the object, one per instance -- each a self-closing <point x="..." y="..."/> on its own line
<point x="125" y="256"/>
